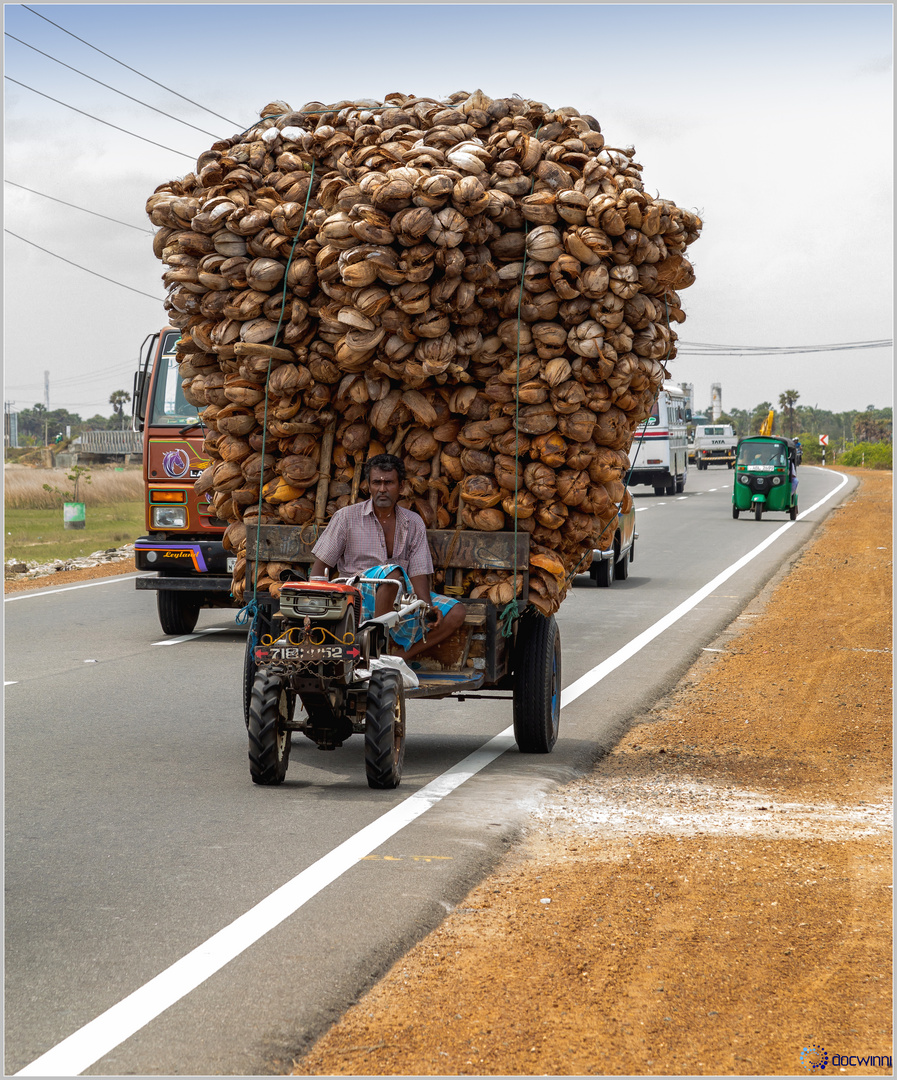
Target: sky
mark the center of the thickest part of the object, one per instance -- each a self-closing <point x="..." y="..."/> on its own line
<point x="773" y="122"/>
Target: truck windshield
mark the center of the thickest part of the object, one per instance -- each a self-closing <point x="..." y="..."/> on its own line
<point x="169" y="404"/>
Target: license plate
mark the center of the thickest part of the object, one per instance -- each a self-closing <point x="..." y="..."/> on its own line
<point x="231" y="563"/>
<point x="309" y="654"/>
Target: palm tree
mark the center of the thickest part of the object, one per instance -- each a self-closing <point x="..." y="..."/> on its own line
<point x="787" y="401"/>
<point x="117" y="400"/>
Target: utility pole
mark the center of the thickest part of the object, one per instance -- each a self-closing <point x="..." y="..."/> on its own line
<point x="47" y="391"/>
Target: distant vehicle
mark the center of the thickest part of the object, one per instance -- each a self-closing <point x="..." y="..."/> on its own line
<point x="713" y="444"/>
<point x="181" y="555"/>
<point x="765" y="477"/>
<point x="613" y="562"/>
<point x="660" y="448"/>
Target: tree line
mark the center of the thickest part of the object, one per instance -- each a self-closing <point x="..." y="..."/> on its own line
<point x="808" y="422"/>
<point x="40" y="426"/>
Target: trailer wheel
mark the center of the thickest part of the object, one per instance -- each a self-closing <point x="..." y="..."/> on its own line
<point x="605" y="573"/>
<point x="537" y="684"/>
<point x="269" y="738"/>
<point x="178" y="611"/>
<point x="384" y="730"/>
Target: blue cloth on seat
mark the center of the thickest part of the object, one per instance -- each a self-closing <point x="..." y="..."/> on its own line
<point x="410" y="629"/>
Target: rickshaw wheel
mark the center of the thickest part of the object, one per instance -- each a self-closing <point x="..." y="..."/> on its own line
<point x="269" y="738"/>
<point x="735" y="511"/>
<point x="758" y="511"/>
<point x="537" y="684"/>
<point x="384" y="730"/>
<point x="793" y="512"/>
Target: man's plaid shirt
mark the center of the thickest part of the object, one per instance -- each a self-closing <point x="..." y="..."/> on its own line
<point x="353" y="542"/>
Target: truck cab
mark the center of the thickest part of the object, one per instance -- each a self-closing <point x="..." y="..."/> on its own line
<point x="184" y="560"/>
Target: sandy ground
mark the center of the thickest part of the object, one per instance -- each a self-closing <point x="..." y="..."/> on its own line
<point x="716" y="897"/>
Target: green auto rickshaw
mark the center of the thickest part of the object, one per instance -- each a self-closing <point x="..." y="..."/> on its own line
<point x="765" y="476"/>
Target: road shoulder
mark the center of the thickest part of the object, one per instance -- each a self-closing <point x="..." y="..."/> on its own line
<point x="714" y="898"/>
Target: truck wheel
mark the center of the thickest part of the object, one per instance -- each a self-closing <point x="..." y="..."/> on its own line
<point x="605" y="574"/>
<point x="621" y="568"/>
<point x="178" y="611"/>
<point x="537" y="684"/>
<point x="735" y="512"/>
<point x="269" y="738"/>
<point x="384" y="730"/>
<point x="758" y="511"/>
<point x="632" y="552"/>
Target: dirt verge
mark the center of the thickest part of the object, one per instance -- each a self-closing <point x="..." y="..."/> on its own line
<point x="715" y="897"/>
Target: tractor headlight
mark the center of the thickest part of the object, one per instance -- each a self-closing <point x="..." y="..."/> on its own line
<point x="169" y="517"/>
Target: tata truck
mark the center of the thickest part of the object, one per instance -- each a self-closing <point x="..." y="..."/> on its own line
<point x="713" y="444"/>
<point x="181" y="556"/>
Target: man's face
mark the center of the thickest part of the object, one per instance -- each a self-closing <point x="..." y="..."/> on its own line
<point x="385" y="488"/>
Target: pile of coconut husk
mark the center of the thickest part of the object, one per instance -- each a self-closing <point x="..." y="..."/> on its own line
<point x="479" y="286"/>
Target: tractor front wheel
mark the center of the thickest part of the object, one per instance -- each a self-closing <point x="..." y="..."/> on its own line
<point x="384" y="730"/>
<point x="269" y="736"/>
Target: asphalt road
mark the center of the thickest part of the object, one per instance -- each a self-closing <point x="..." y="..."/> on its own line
<point x="134" y="834"/>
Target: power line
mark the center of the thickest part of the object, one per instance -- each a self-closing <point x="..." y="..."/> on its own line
<point x="79" y="267"/>
<point x="124" y="65"/>
<point x="106" y="122"/>
<point x="112" y="88"/>
<point x="701" y="348"/>
<point x="74" y="207"/>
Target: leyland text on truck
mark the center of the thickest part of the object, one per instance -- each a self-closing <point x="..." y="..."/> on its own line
<point x="182" y="556"/>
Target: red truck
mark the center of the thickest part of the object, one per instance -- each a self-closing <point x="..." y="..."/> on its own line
<point x="185" y="561"/>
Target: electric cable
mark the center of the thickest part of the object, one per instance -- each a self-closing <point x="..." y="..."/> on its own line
<point x="155" y="299"/>
<point x="124" y="65"/>
<point x="105" y="217"/>
<point x="112" y="88"/>
<point x="192" y="157"/>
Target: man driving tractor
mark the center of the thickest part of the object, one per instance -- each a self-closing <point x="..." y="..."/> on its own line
<point x="380" y="539"/>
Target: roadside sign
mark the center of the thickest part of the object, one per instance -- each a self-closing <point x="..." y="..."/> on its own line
<point x="823" y="440"/>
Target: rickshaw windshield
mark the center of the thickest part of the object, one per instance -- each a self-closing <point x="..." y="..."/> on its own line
<point x="762" y="456"/>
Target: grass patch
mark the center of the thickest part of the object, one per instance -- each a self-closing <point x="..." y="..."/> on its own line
<point x="23" y="488"/>
<point x="40" y="535"/>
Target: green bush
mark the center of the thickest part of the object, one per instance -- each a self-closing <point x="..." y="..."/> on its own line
<point x="869" y="455"/>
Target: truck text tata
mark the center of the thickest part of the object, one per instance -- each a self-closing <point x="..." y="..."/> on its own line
<point x="188" y="566"/>
<point x="660" y="449"/>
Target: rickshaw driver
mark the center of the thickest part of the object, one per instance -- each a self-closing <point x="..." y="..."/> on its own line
<point x="380" y="539"/>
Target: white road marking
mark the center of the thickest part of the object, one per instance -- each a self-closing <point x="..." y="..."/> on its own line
<point x="193" y="636"/>
<point x="681" y="497"/>
<point x="66" y="588"/>
<point x="87" y="1045"/>
<point x="13" y="683"/>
